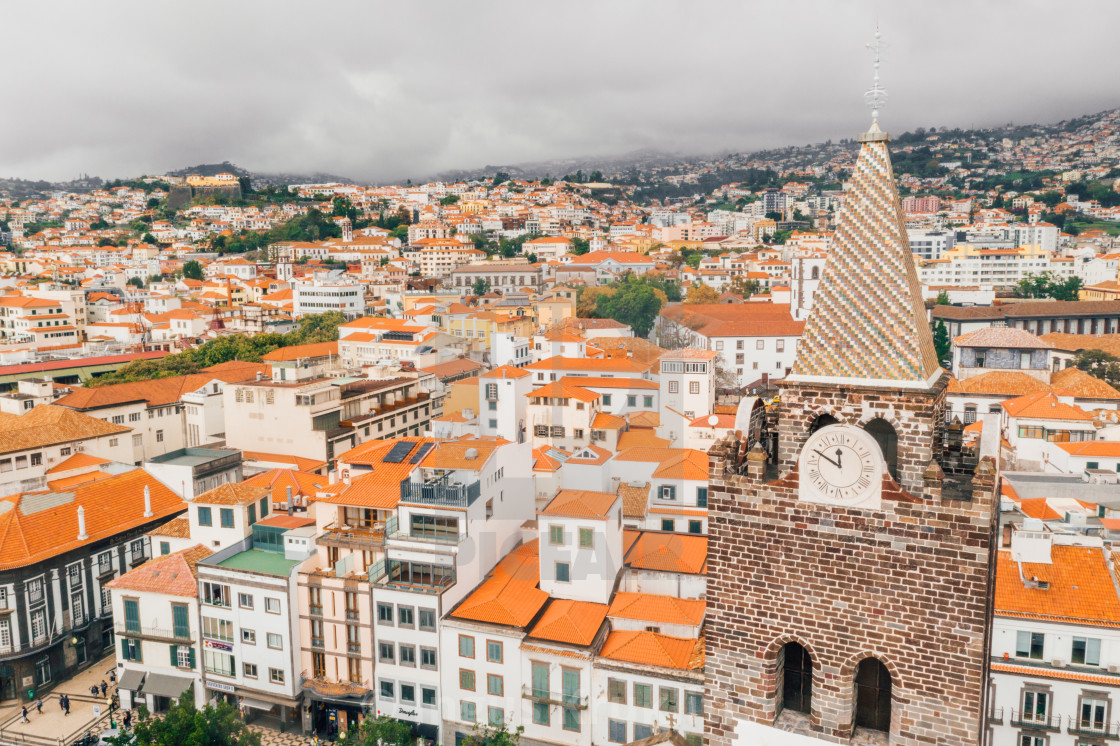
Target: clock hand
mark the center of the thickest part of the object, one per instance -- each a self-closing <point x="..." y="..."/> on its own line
<point x="826" y="458"/>
<point x="839" y="457"/>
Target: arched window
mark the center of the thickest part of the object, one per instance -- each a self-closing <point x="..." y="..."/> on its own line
<point x="887" y="439"/>
<point x="823" y="420"/>
<point x="873" y="695"/>
<point x="816" y="275"/>
<point x="797" y="678"/>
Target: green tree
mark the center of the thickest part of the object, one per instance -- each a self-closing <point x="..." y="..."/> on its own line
<point x="580" y="246"/>
<point x="780" y="237"/>
<point x="379" y="731"/>
<point x="634" y="302"/>
<point x="148" y="238"/>
<point x="1046" y="285"/>
<point x="481" y="286"/>
<point x="494" y="735"/>
<point x="744" y="287"/>
<point x="135" y="282"/>
<point x="192" y="270"/>
<point x="449" y="200"/>
<point x="1099" y="364"/>
<point x="105" y="241"/>
<point x="500" y="177"/>
<point x="184" y="725"/>
<point x="943" y="298"/>
<point x="941" y="342"/>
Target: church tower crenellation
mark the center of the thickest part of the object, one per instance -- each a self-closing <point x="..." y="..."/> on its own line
<point x="850" y="579"/>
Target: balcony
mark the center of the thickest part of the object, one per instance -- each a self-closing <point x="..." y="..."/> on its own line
<point x="315" y="610"/>
<point x="335" y="689"/>
<point x="152" y="633"/>
<point x="440" y="494"/>
<point x="317" y="643"/>
<point x="554" y="698"/>
<point x="367" y="537"/>
<point x="352" y="615"/>
<point x="995" y="717"/>
<point x="1092" y="729"/>
<point x="1038" y="722"/>
<point x="354" y="648"/>
<point x="428" y="538"/>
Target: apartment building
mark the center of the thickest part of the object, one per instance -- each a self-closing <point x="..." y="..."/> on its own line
<point x="322" y="417"/>
<point x="439" y="257"/>
<point x="60" y="551"/>
<point x="968" y="265"/>
<point x="328" y="294"/>
<point x="155" y="608"/>
<point x="37" y="322"/>
<point x="499" y="276"/>
<point x="1054" y="647"/>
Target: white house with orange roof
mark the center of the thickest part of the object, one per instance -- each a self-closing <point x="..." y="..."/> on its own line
<point x="1055" y="671"/>
<point x="1032" y="420"/>
<point x="503" y="403"/>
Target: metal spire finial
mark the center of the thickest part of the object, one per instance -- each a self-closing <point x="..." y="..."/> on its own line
<point x="876" y="95"/>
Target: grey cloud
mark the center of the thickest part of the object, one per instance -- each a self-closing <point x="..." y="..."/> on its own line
<point x="382" y="91"/>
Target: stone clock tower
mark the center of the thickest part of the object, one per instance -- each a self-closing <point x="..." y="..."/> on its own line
<point x="851" y="572"/>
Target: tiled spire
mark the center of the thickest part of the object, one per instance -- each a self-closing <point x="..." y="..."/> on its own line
<point x="868" y="323"/>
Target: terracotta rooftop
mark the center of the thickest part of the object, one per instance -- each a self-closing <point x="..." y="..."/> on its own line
<point x="176" y="528"/>
<point x="570" y="622"/>
<point x="1002" y="337"/>
<point x="232" y="493"/>
<point x="635" y="499"/>
<point x="48" y="424"/>
<point x="650" y="607"/>
<point x="173" y="574"/>
<point x="654" y="649"/>
<point x="666" y="552"/>
<point x="580" y="504"/>
<point x="1081" y="587"/>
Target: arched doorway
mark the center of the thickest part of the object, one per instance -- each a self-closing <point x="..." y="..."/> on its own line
<point x="887" y="439"/>
<point x="873" y="695"/>
<point x="797" y="678"/>
<point x="823" y="420"/>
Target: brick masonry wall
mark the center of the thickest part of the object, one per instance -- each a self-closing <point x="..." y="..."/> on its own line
<point x="909" y="584"/>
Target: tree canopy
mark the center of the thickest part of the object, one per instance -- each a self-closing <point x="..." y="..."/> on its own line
<point x="379" y="731"/>
<point x="192" y="270"/>
<point x="701" y="294"/>
<point x="1099" y="364"/>
<point x="1046" y="285"/>
<point x="321" y="327"/>
<point x="633" y="300"/>
<point x="184" y="725"/>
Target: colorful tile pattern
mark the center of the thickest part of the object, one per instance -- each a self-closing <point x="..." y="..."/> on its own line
<point x="868" y="319"/>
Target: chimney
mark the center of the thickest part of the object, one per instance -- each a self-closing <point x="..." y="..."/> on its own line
<point x="147" y="502"/>
<point x="82" y="535"/>
<point x="289" y="489"/>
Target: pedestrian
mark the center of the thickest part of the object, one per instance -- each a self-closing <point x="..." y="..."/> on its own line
<point x="24" y="716"/>
<point x="127" y="718"/>
<point x="113" y="676"/>
<point x="66" y="707"/>
<point x="62" y="702"/>
<point x="93" y="690"/>
<point x="104" y="687"/>
<point x="39" y="705"/>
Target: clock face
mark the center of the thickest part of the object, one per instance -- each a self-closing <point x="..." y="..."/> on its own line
<point x="841" y="465"/>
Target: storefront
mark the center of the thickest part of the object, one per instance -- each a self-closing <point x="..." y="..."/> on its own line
<point x="269" y="710"/>
<point x="330" y="709"/>
<point x="156" y="691"/>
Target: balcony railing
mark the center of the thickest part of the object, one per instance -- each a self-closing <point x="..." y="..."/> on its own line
<point x="440" y="494"/>
<point x="317" y="643"/>
<point x="354" y="647"/>
<point x="1030" y="720"/>
<point x="371" y="536"/>
<point x="1079" y="727"/>
<point x="351" y="615"/>
<point x="162" y="633"/>
<point x="554" y="698"/>
<point x="995" y="717"/>
<point x="428" y="538"/>
<point x="315" y="610"/>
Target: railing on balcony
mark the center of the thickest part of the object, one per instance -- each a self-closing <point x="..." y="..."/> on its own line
<point x="132" y="630"/>
<point x="320" y="684"/>
<point x="364" y="536"/>
<point x="354" y="647"/>
<point x="1092" y="728"/>
<point x="317" y="643"/>
<point x="315" y="610"/>
<point x="440" y="494"/>
<point x="428" y="538"/>
<point x="577" y="701"/>
<point x="995" y="717"/>
<point x="1039" y="722"/>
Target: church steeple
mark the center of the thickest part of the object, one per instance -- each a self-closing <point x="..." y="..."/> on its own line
<point x="868" y="322"/>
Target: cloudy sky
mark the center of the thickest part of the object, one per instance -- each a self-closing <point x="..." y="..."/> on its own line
<point x="383" y="91"/>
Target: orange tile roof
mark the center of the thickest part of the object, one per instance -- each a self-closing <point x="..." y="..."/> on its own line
<point x="48" y="424"/>
<point x="176" y="528"/>
<point x="651" y="607"/>
<point x="61" y="485"/>
<point x="1081" y="587"/>
<point x="510" y="595"/>
<point x="505" y="371"/>
<point x="1082" y="385"/>
<point x="580" y="504"/>
<point x="77" y="461"/>
<point x="160" y="391"/>
<point x="454" y="454"/>
<point x="570" y="622"/>
<point x="35" y="526"/>
<point x="279" y="480"/>
<point x="1045" y="406"/>
<point x="600" y="382"/>
<point x="299" y="352"/>
<point x="542" y="461"/>
<point x="635" y="499"/>
<point x="999" y="383"/>
<point x="173" y="574"/>
<point x="666" y="552"/>
<point x="653" y="649"/>
<point x="602" y="456"/>
<point x="641" y="438"/>
<point x="617" y="365"/>
<point x="560" y="390"/>
<point x="644" y="419"/>
<point x="1055" y="673"/>
<point x="607" y="421"/>
<point x="231" y="493"/>
<point x="299" y="462"/>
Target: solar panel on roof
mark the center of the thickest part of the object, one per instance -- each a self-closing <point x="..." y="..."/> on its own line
<point x="398" y="452"/>
<point x="424" y="448"/>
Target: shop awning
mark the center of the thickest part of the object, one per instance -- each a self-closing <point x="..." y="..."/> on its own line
<point x="131" y="680"/>
<point x="257" y="704"/>
<point x="163" y="685"/>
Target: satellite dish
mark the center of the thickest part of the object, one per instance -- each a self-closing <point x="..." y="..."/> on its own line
<point x="713" y="420"/>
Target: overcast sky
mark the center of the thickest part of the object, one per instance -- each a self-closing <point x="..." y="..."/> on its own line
<point x="382" y="91"/>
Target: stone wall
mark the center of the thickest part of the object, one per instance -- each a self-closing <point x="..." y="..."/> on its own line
<point x="909" y="584"/>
